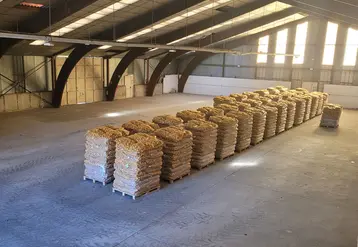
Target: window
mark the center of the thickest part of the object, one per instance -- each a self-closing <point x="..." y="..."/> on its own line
<point x="350" y="55"/>
<point x="263" y="47"/>
<point x="281" y="43"/>
<point x="300" y="43"/>
<point x="330" y="43"/>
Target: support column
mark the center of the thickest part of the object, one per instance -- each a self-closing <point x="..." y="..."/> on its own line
<point x="339" y="54"/>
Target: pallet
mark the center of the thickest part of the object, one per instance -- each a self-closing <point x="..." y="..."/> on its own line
<point x="329" y="126"/>
<point x="134" y="197"/>
<point x="94" y="180"/>
<point x="227" y="156"/>
<point x="242" y="150"/>
<point x="203" y="167"/>
<point x="179" y="178"/>
<point x="257" y="143"/>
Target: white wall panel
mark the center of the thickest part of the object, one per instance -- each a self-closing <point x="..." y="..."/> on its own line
<point x="170" y="83"/>
<point x="224" y="86"/>
<point x="347" y="96"/>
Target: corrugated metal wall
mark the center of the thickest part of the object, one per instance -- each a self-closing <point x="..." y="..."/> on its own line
<point x="312" y="70"/>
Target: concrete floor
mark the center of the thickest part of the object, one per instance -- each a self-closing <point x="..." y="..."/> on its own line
<point x="297" y="189"/>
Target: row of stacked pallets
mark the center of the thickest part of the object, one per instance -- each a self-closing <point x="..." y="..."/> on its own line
<point x="138" y="154"/>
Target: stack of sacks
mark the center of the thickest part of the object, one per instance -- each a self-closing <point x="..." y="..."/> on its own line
<point x="282" y="89"/>
<point x="177" y="152"/>
<point x="188" y="115"/>
<point x="244" y="131"/>
<point x="211" y="111"/>
<point x="238" y="96"/>
<point x="271" y="120"/>
<point x="100" y="153"/>
<point x="253" y="102"/>
<point x="204" y="142"/>
<point x="218" y="100"/>
<point x="308" y="100"/>
<point x="226" y="108"/>
<point x="314" y="105"/>
<point x="265" y="100"/>
<point x="286" y="95"/>
<point x="138" y="164"/>
<point x="273" y="91"/>
<point x="227" y="134"/>
<point x="291" y="111"/>
<point x="262" y="92"/>
<point x="251" y="95"/>
<point x="331" y="115"/>
<point x="281" y="115"/>
<point x="242" y="105"/>
<point x="300" y="109"/>
<point x="167" y="120"/>
<point x="258" y="125"/>
<point x="140" y="126"/>
<point x="320" y="102"/>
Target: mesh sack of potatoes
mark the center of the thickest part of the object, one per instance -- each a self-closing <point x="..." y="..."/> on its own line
<point x="177" y="151"/>
<point x="271" y="120"/>
<point x="300" y="109"/>
<point x="244" y="130"/>
<point x="167" y="120"/>
<point x="308" y="100"/>
<point x="325" y="99"/>
<point x="331" y="115"/>
<point x="218" y="100"/>
<point x="100" y="152"/>
<point x="227" y="134"/>
<point x="258" y="124"/>
<point x="226" y="108"/>
<point x="282" y="89"/>
<point x="275" y="98"/>
<point x="138" y="164"/>
<point x="314" y="104"/>
<point x="291" y="111"/>
<point x="253" y="102"/>
<point x="238" y="96"/>
<point x="273" y="91"/>
<point x="211" y="111"/>
<point x="204" y="142"/>
<point x="281" y="115"/>
<point x="265" y="100"/>
<point x="242" y="105"/>
<point x="262" y="92"/>
<point x="286" y="95"/>
<point x="188" y="115"/>
<point x="251" y="95"/>
<point x="140" y="126"/>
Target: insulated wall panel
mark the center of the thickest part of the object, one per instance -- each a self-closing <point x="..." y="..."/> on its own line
<point x="347" y="96"/>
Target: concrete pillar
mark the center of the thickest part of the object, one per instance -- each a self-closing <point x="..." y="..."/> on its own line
<point x="291" y="36"/>
<point x="316" y="36"/>
<point x="271" y="59"/>
<point x="339" y="54"/>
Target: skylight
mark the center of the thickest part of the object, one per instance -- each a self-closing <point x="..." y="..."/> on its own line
<point x="171" y="21"/>
<point x="88" y="19"/>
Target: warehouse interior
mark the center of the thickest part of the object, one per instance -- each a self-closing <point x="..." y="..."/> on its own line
<point x="78" y="74"/>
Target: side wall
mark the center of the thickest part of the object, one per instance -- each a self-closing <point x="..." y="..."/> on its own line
<point x="86" y="83"/>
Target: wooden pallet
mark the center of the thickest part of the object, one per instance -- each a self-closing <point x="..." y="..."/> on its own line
<point x="133" y="196"/>
<point x="329" y="126"/>
<point x="94" y="180"/>
<point x="257" y="143"/>
<point x="203" y="167"/>
<point x="179" y="178"/>
<point x="242" y="150"/>
<point x="227" y="156"/>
